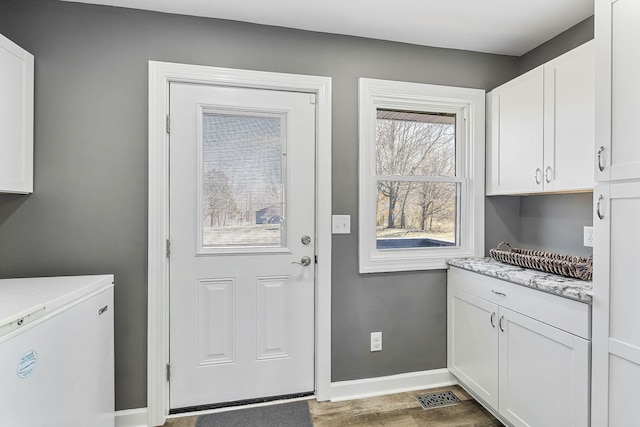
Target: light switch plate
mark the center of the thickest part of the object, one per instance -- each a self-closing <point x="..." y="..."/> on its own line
<point x="341" y="224"/>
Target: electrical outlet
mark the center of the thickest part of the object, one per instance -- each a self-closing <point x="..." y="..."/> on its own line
<point x="588" y="236"/>
<point x="376" y="341"/>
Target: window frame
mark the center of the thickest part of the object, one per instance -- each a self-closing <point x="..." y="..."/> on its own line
<point x="469" y="106"/>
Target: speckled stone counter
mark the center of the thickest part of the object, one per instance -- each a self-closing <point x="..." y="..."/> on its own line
<point x="566" y="287"/>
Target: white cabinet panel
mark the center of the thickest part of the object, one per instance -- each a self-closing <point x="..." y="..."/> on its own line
<point x="16" y="118"/>
<point x="624" y="380"/>
<point x="473" y="343"/>
<point x="516" y="136"/>
<point x="544" y="374"/>
<point x="617" y="90"/>
<point x="625" y="90"/>
<point x="569" y="106"/>
<point x="624" y="208"/>
<point x="616" y="337"/>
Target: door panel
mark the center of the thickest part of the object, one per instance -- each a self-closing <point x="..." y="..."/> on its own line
<point x="242" y="167"/>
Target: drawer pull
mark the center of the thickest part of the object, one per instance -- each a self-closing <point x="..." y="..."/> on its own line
<point x="500" y="323"/>
<point x="493" y="315"/>
<point x="502" y="294"/>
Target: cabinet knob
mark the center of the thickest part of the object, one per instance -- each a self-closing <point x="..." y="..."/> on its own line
<point x="500" y="323"/>
<point x="491" y="319"/>
<point x="538" y="176"/>
<point x="546" y="174"/>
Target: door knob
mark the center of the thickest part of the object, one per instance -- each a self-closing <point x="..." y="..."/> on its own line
<point x="304" y="261"/>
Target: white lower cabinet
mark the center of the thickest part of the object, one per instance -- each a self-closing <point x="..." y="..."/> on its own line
<point x="523" y="353"/>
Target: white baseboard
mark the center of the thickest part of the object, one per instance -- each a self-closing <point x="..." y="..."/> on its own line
<point x="358" y="389"/>
<point x="132" y="418"/>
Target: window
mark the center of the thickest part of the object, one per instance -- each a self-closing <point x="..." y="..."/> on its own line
<point x="421" y="175"/>
<point x="242" y="192"/>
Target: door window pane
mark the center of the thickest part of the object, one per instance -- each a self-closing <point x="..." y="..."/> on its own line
<point x="242" y="180"/>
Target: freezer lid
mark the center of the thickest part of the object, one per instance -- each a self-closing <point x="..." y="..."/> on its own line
<point x="39" y="296"/>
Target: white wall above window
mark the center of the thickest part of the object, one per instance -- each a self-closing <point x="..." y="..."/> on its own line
<point x="421" y="175"/>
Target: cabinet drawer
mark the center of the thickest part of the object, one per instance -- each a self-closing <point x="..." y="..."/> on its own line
<point x="563" y="313"/>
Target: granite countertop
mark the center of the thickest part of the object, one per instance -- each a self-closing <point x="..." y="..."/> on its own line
<point x="567" y="287"/>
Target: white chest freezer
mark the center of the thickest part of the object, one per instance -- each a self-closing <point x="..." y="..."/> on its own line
<point x="56" y="352"/>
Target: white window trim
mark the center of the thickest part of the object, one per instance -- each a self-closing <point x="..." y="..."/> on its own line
<point x="470" y="103"/>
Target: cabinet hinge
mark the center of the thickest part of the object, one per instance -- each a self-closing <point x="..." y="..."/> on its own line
<point x="313" y="98"/>
<point x="168" y="372"/>
<point x="168" y="124"/>
<point x="315" y="259"/>
<point x="168" y="248"/>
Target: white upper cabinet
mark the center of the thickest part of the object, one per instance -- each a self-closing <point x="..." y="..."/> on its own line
<point x="618" y="140"/>
<point x="515" y="140"/>
<point x="541" y="128"/>
<point x="569" y="120"/>
<point x="16" y="118"/>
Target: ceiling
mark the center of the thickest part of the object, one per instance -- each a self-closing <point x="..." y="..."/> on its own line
<point x="509" y="27"/>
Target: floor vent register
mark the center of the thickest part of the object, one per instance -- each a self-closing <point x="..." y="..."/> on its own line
<point x="437" y="400"/>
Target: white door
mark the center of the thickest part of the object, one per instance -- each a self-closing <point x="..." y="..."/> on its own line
<point x="242" y="168"/>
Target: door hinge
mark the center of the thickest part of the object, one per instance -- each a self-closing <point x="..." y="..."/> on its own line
<point x="168" y="372"/>
<point x="168" y="248"/>
<point x="313" y="98"/>
<point x="168" y="124"/>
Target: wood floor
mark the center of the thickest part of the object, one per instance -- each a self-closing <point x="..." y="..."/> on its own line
<point x="400" y="409"/>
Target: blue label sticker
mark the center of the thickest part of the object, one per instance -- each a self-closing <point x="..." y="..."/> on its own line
<point x="27" y="364"/>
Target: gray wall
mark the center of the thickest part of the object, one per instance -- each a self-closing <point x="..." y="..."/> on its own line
<point x="546" y="222"/>
<point x="88" y="213"/>
<point x="563" y="42"/>
<point x="555" y="222"/>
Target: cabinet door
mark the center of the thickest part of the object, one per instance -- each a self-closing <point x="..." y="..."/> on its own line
<point x="473" y="343"/>
<point x="544" y="374"/>
<point x="617" y="90"/>
<point x="16" y="118"/>
<point x="514" y="161"/>
<point x="616" y="336"/>
<point x="569" y="101"/>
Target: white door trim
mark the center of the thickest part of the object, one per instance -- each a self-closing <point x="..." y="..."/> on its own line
<point x="160" y="75"/>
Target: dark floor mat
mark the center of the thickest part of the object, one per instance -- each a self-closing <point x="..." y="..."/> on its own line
<point x="293" y="414"/>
